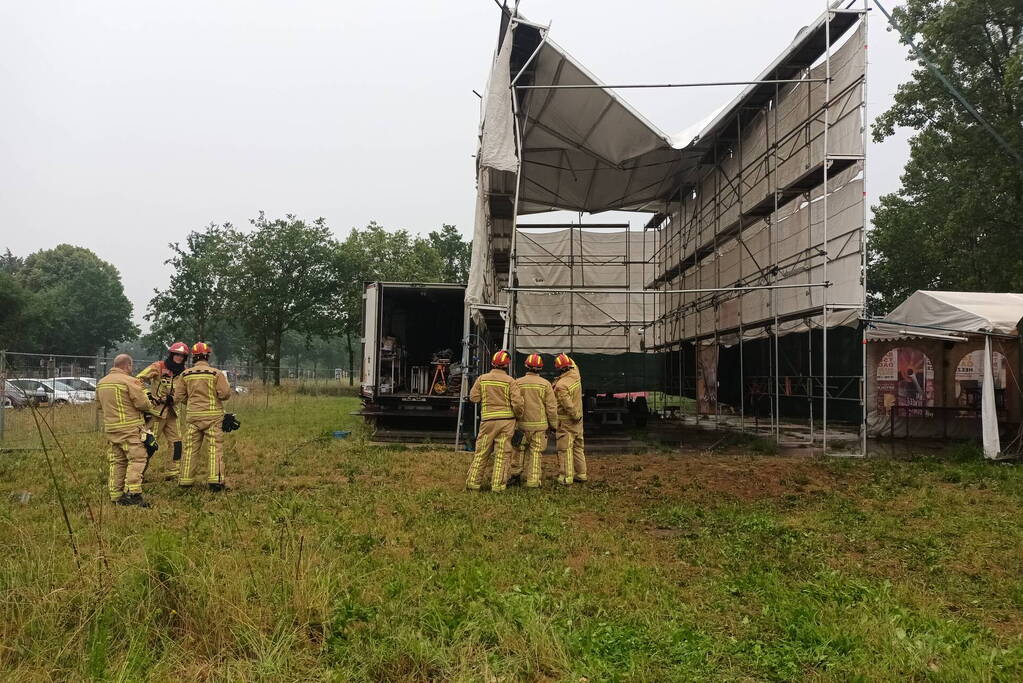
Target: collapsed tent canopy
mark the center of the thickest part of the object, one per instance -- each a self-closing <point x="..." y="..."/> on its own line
<point x="965" y="312"/>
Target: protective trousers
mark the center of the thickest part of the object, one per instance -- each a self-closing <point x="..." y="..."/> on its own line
<point x="204" y="438"/>
<point x="495" y="437"/>
<point x="126" y="457"/>
<point x="571" y="456"/>
<point x="531" y="452"/>
<point x="165" y="429"/>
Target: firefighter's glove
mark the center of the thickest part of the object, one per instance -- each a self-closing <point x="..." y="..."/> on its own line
<point x="230" y="423"/>
<point x="150" y="443"/>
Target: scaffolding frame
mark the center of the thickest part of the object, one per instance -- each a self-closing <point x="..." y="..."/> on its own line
<point x="679" y="311"/>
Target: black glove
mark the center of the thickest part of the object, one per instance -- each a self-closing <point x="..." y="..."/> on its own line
<point x="230" y="422"/>
<point x="150" y="443"/>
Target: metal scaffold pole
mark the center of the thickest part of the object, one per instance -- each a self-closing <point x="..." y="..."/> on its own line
<point x="824" y="228"/>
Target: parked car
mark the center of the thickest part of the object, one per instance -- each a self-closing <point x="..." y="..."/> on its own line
<point x="13" y="397"/>
<point x="33" y="390"/>
<point x="62" y="392"/>
<point x="235" y="387"/>
<point x="84" y="388"/>
<point x="90" y="381"/>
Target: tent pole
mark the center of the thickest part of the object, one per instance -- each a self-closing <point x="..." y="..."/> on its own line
<point x="509" y="323"/>
<point x="824" y="228"/>
<point x="863" y="233"/>
<point x="709" y="84"/>
<point x="463" y="391"/>
<point x="776" y="404"/>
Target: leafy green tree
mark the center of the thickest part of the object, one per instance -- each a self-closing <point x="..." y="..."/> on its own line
<point x="955" y="222"/>
<point x="78" y="300"/>
<point x="290" y="279"/>
<point x="376" y="254"/>
<point x="454" y="252"/>
<point x="16" y="313"/>
<point x="197" y="304"/>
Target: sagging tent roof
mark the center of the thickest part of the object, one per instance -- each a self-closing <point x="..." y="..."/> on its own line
<point x="965" y="312"/>
<point x="587" y="150"/>
<point x="582" y="149"/>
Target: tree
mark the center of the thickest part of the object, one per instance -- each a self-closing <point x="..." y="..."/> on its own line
<point x="78" y="301"/>
<point x="955" y="222"/>
<point x="375" y="254"/>
<point x="290" y="279"/>
<point x="454" y="252"/>
<point x="197" y="304"/>
<point x="16" y="313"/>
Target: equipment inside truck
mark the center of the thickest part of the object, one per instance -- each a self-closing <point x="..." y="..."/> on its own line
<point x="420" y="339"/>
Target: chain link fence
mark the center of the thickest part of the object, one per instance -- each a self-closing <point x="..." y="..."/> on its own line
<point x="60" y="390"/>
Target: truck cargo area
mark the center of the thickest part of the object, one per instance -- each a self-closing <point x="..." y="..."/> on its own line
<point x="411" y="365"/>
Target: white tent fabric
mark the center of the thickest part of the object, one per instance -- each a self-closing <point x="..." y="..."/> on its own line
<point x="497" y="147"/>
<point x="594" y="321"/>
<point x="976" y="312"/>
<point x="927" y="313"/>
<point x="988" y="411"/>
<point x="581" y="150"/>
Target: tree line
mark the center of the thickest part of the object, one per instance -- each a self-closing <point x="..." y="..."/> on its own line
<point x="62" y="300"/>
<point x="955" y="222"/>
<point x="281" y="292"/>
<point x="288" y="284"/>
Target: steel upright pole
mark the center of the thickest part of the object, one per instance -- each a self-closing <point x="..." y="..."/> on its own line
<point x="824" y="226"/>
<point x="3" y="392"/>
<point x="863" y="232"/>
<point x="776" y="403"/>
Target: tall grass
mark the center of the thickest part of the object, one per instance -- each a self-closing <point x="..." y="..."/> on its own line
<point x="342" y="560"/>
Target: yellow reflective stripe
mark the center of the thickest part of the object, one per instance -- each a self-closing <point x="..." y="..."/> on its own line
<point x="114" y="426"/>
<point x="204" y="413"/>
<point x="541" y="424"/>
<point x="485" y="412"/>
<point x="122" y="418"/>
<point x="213" y="392"/>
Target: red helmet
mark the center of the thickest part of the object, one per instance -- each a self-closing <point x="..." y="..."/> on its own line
<point x="563" y="362"/>
<point x="202" y="349"/>
<point x="534" y="361"/>
<point x="501" y="359"/>
<point x="178" y="347"/>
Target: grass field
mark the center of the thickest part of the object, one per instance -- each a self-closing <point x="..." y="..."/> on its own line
<point x="337" y="560"/>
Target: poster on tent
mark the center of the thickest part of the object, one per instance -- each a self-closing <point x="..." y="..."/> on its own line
<point x="905" y="377"/>
<point x="970" y="380"/>
<point x="707" y="380"/>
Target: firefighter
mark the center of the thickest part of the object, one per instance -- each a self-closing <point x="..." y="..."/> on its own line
<point x="539" y="413"/>
<point x="202" y="389"/>
<point x="159" y="379"/>
<point x="124" y="403"/>
<point x="568" y="390"/>
<point x="501" y="405"/>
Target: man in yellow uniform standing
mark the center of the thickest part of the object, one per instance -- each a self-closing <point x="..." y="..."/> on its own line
<point x="123" y="402"/>
<point x="501" y="404"/>
<point x="539" y="413"/>
<point x="202" y="389"/>
<point x="568" y="389"/>
<point x="159" y="378"/>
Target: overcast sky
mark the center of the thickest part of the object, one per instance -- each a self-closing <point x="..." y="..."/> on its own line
<point x="126" y="124"/>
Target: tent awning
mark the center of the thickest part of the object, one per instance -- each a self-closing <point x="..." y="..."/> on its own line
<point x="950" y="312"/>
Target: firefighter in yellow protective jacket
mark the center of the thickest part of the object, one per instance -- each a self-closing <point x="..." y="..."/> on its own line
<point x="500" y="405"/>
<point x="568" y="389"/>
<point x="124" y="404"/>
<point x="202" y="389"/>
<point x="159" y="378"/>
<point x="539" y="413"/>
